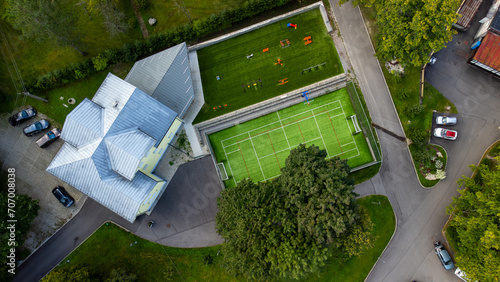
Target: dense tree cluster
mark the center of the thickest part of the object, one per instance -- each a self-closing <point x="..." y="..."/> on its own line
<point x="290" y="226"/>
<point x="409" y="30"/>
<point x="476" y="222"/>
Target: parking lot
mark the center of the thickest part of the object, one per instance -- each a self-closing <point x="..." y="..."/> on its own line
<point x="30" y="161"/>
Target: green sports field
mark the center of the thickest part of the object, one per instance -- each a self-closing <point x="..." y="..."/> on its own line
<point x="258" y="148"/>
<point x="238" y="74"/>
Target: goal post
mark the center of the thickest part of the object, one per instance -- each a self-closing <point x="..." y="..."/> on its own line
<point x="222" y="171"/>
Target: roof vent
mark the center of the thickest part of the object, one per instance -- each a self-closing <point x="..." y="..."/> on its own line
<point x="115" y="104"/>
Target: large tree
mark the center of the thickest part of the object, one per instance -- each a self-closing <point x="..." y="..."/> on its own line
<point x="409" y="30"/>
<point x="476" y="221"/>
<point x="284" y="228"/>
<point x="43" y="20"/>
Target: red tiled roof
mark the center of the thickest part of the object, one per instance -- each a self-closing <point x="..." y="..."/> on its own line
<point x="468" y="10"/>
<point x="489" y="51"/>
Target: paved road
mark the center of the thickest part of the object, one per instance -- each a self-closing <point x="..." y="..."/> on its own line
<point x="420" y="213"/>
<point x="184" y="217"/>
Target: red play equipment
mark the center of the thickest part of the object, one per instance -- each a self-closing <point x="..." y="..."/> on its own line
<point x="292" y="25"/>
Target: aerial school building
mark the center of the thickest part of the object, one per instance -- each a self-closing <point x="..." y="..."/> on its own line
<point x="114" y="141"/>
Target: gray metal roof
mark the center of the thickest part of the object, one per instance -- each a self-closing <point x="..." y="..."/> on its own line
<point x="166" y="76"/>
<point x="106" y="139"/>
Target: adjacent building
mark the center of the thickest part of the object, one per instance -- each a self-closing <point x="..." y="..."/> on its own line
<point x="114" y="142"/>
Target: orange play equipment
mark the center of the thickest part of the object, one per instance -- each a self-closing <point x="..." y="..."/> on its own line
<point x="280" y="62"/>
<point x="307" y="40"/>
<point x="265" y="50"/>
<point x="283" y="81"/>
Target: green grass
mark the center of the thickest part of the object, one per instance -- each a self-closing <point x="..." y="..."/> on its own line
<point x="170" y="16"/>
<point x="357" y="268"/>
<point x="366" y="173"/>
<point x="148" y="260"/>
<point x="228" y="60"/>
<point x="421" y="177"/>
<point x="258" y="148"/>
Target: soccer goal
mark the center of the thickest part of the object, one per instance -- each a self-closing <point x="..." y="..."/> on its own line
<point x="222" y="171"/>
<point x="356" y="124"/>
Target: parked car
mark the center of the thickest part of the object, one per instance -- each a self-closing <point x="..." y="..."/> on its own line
<point x="444" y="120"/>
<point x="22" y="116"/>
<point x="443" y="256"/>
<point x="36" y="127"/>
<point x="48" y="138"/>
<point x="445" y="133"/>
<point x="63" y="196"/>
<point x="462" y="275"/>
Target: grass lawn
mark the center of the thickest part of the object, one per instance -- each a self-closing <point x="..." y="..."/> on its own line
<point x="357" y="268"/>
<point x="258" y="148"/>
<point x="148" y="260"/>
<point x="228" y="60"/>
<point x="169" y="15"/>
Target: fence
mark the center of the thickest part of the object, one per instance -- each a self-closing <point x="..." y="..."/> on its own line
<point x="365" y="125"/>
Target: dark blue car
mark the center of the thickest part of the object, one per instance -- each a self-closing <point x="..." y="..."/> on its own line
<point x="63" y="196"/>
<point x="22" y="116"/>
<point x="36" y="127"/>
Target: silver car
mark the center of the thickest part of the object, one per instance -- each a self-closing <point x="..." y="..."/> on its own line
<point x="445" y="133"/>
<point x="444" y="120"/>
<point x="443" y="255"/>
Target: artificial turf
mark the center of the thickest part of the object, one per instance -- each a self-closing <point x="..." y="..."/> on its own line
<point x="258" y="148"/>
<point x="246" y="81"/>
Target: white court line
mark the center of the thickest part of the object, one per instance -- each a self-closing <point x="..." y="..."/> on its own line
<point x="289" y="148"/>
<point x="257" y="156"/>
<point x="337" y="101"/>
<point x="283" y="128"/>
<point x="236" y="151"/>
<point x="352" y="135"/>
<point x="340" y="145"/>
<point x="229" y="164"/>
<point x="321" y="135"/>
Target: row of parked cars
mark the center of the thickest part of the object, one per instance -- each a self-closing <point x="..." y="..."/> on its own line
<point x="445" y="133"/>
<point x="59" y="192"/>
<point x="35" y="127"/>
<point x="447" y="262"/>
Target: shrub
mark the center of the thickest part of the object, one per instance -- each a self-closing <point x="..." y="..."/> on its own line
<point x="422" y="156"/>
<point x="132" y="22"/>
<point x="100" y="62"/>
<point x="439" y="164"/>
<point x="417" y="135"/>
<point x="413" y="110"/>
<point x="140" y="4"/>
<point x="403" y="94"/>
<point x="440" y="174"/>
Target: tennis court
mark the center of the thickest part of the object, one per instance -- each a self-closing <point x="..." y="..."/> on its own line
<point x="258" y="148"/>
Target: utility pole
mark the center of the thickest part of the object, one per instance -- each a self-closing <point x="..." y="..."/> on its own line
<point x="35" y="97"/>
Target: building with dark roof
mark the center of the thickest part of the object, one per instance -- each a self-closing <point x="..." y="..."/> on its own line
<point x="487" y="55"/>
<point x="467" y="11"/>
<point x="114" y="142"/>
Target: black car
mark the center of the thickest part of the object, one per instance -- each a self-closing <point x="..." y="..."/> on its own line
<point x="36" y="127"/>
<point x="48" y="138"/>
<point x="63" y="196"/>
<point x="22" y="116"/>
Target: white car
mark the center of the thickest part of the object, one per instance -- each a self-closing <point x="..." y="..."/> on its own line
<point x="444" y="120"/>
<point x="445" y="133"/>
<point x="461" y="275"/>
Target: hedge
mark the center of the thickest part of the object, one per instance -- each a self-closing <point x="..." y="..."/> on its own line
<point x="130" y="52"/>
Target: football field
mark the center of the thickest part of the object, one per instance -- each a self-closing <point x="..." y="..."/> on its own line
<point x="258" y="148"/>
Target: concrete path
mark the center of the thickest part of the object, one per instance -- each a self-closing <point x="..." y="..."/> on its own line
<point x="420" y="213"/>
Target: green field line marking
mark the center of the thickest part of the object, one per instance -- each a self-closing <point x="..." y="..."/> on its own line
<point x="274" y="150"/>
<point x="256" y="156"/>
<point x="244" y="160"/>
<point x="338" y="142"/>
<point x="229" y="164"/>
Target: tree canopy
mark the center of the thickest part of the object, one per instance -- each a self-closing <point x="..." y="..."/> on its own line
<point x="476" y="221"/>
<point x="409" y="30"/>
<point x="284" y="228"/>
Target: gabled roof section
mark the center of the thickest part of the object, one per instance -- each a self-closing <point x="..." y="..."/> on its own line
<point x="84" y="124"/>
<point x="147" y="73"/>
<point x="495" y="23"/>
<point x="112" y="95"/>
<point x="166" y="76"/>
<point x="126" y="151"/>
<point x="488" y="52"/>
